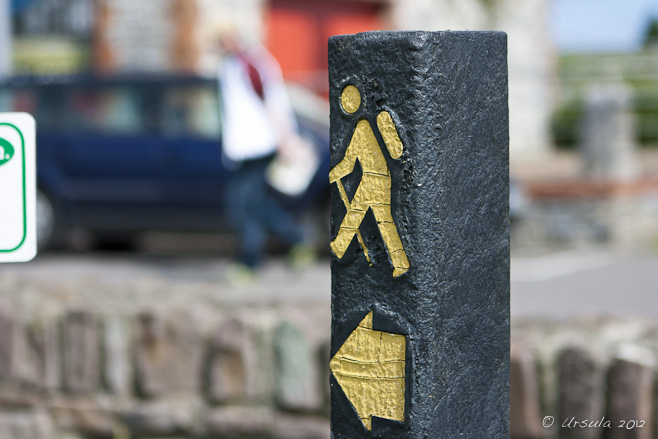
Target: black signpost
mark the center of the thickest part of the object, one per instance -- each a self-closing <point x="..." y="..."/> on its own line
<point x="420" y="235"/>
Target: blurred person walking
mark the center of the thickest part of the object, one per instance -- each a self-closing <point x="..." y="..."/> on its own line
<point x="257" y="125"/>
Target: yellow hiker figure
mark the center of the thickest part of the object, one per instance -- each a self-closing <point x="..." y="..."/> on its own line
<point x="374" y="189"/>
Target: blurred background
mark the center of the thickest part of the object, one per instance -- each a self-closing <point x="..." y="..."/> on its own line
<point x="148" y="340"/>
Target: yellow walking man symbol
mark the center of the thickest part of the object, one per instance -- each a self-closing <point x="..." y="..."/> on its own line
<point x="374" y="189"/>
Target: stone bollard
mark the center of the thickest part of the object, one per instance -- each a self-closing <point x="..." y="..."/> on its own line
<point x="607" y="134"/>
<point x="420" y="235"/>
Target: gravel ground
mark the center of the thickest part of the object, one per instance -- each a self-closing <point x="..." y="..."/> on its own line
<point x="554" y="285"/>
<point x="126" y="282"/>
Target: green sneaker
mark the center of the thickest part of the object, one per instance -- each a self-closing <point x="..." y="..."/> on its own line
<point x="239" y="275"/>
<point x="302" y="256"/>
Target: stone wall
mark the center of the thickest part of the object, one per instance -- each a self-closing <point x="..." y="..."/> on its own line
<point x="590" y="378"/>
<point x="246" y="372"/>
<point x="134" y="36"/>
<point x="187" y="372"/>
<point x="155" y="347"/>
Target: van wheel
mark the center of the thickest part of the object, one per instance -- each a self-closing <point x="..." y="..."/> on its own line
<point x="116" y="242"/>
<point x="47" y="221"/>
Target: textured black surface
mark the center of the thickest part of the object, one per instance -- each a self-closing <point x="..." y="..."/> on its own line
<point x="447" y="92"/>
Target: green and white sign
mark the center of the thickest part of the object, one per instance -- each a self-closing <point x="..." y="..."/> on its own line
<point x="18" y="240"/>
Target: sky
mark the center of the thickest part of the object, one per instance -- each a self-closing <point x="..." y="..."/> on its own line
<point x="601" y="25"/>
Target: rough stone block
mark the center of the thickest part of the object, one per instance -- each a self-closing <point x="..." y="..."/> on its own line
<point x="264" y="323"/>
<point x="25" y="425"/>
<point x="164" y="418"/>
<point x="67" y="435"/>
<point x="232" y="363"/>
<point x="243" y="422"/>
<point x="42" y="362"/>
<point x="117" y="362"/>
<point x="525" y="413"/>
<point x="169" y="354"/>
<point x="9" y="328"/>
<point x="17" y="399"/>
<point x="581" y="391"/>
<point x="296" y="427"/>
<point x="81" y="352"/>
<point x="297" y="384"/>
<point x="85" y="416"/>
<point x="630" y="394"/>
<point x="420" y="234"/>
<point x="325" y="350"/>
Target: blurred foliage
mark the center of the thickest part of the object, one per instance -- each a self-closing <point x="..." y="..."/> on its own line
<point x="52" y="56"/>
<point x="651" y="36"/>
<point x="639" y="71"/>
<point x="565" y="124"/>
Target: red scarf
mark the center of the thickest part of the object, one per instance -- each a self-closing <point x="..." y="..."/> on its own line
<point x="254" y="75"/>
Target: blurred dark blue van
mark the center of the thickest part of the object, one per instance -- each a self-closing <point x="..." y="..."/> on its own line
<point x="123" y="155"/>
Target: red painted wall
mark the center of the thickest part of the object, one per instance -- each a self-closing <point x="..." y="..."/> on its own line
<point x="297" y="33"/>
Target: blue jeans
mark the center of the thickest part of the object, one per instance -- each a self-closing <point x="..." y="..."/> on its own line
<point x="252" y="211"/>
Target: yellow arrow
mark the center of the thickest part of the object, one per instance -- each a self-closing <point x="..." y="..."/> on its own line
<point x="370" y="368"/>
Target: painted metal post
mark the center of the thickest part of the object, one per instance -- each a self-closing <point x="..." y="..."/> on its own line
<point x="420" y="235"/>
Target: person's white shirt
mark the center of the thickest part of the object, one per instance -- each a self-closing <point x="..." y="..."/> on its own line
<point x="253" y="127"/>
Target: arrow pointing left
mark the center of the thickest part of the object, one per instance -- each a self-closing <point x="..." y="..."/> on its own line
<point x="370" y="368"/>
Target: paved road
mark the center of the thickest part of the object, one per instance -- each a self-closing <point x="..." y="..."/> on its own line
<point x="121" y="282"/>
<point x="575" y="283"/>
<point x="556" y="285"/>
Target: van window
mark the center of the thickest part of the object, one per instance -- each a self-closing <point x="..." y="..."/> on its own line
<point x="17" y="100"/>
<point x="204" y="118"/>
<point x="5" y="100"/>
<point x="119" y="111"/>
<point x="191" y="111"/>
<point x="80" y="113"/>
<point x="114" y="110"/>
<point x="50" y="113"/>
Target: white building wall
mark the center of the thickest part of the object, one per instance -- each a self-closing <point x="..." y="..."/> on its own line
<point x="246" y="16"/>
<point x="531" y="56"/>
<point x="140" y="34"/>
